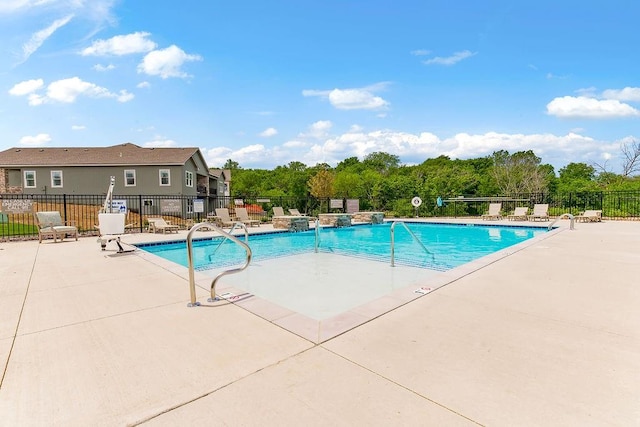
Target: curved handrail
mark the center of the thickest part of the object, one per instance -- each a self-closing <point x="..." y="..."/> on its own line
<point x="317" y="234"/>
<point x="192" y="281"/>
<point x="393" y="226"/>
<point x="246" y="236"/>
<point x="571" y="218"/>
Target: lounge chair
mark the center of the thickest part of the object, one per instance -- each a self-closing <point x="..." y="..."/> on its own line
<point x="278" y="211"/>
<point x="590" y="216"/>
<point x="519" y="214"/>
<point x="159" y="224"/>
<point x="540" y="212"/>
<point x="243" y="217"/>
<point x="50" y="224"/>
<point x="494" y="211"/>
<point x="223" y="219"/>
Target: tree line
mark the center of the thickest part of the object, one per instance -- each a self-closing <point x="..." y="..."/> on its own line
<point x="381" y="175"/>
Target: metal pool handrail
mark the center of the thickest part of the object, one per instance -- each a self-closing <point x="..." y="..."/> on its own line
<point x="393" y="226"/>
<point x="317" y="233"/>
<point x="571" y="218"/>
<point x="192" y="281"/>
<point x="238" y="224"/>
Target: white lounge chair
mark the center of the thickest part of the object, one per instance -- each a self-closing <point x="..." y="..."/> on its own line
<point x="222" y="218"/>
<point x="519" y="214"/>
<point x="243" y="217"/>
<point x="494" y="211"/>
<point x="590" y="216"/>
<point x="50" y="224"/>
<point x="278" y="211"/>
<point x="159" y="224"/>
<point x="540" y="212"/>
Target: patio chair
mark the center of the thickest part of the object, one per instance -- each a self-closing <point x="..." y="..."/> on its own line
<point x="159" y="224"/>
<point x="494" y="211"/>
<point x="519" y="214"/>
<point x="243" y="217"/>
<point x="540" y="212"/>
<point x="278" y="211"/>
<point x="590" y="216"/>
<point x="223" y="219"/>
<point x="50" y="224"/>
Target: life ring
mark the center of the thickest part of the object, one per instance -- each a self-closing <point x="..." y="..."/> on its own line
<point x="416" y="202"/>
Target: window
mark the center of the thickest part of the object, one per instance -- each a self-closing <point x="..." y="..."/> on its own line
<point x="129" y="178"/>
<point x="30" y="179"/>
<point x="165" y="177"/>
<point x="188" y="179"/>
<point x="56" y="179"/>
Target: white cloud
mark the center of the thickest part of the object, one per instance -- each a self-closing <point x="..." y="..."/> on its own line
<point x="161" y="143"/>
<point x="631" y="94"/>
<point x="137" y="42"/>
<point x="65" y="91"/>
<point x="38" y="38"/>
<point x="102" y="68"/>
<point x="26" y="87"/>
<point x="269" y="132"/>
<point x="11" y="6"/>
<point x="78" y="127"/>
<point x="591" y="108"/>
<point x="352" y="99"/>
<point x="415" y="148"/>
<point x="142" y="85"/>
<point x="318" y="129"/>
<point x="35" y="141"/>
<point x="166" y="62"/>
<point x="420" y="52"/>
<point x="450" y="60"/>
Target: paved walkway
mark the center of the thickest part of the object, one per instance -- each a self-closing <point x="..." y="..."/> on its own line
<point x="549" y="335"/>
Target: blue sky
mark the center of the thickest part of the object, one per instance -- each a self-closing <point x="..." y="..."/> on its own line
<point x="269" y="82"/>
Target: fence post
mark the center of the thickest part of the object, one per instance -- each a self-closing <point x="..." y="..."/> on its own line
<point x="64" y="204"/>
<point x="140" y="211"/>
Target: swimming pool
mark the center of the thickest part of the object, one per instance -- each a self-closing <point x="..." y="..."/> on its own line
<point x="447" y="245"/>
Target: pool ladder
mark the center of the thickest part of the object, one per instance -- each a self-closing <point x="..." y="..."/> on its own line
<point x="229" y="236"/>
<point x="393" y="226"/>
<point x="571" y="225"/>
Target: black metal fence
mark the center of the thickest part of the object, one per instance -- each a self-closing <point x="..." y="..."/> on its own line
<point x="17" y="220"/>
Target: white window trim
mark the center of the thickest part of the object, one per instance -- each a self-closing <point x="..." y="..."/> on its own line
<point x="61" y="180"/>
<point x="188" y="178"/>
<point x="135" y="181"/>
<point x="35" y="183"/>
<point x="168" y="171"/>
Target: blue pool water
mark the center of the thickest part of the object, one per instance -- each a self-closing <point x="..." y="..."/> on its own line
<point x="448" y="245"/>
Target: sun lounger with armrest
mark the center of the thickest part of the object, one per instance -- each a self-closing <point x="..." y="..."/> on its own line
<point x="540" y="212"/>
<point x="243" y="217"/>
<point x="159" y="224"/>
<point x="494" y="211"/>
<point x="50" y="224"/>
<point x="590" y="216"/>
<point x="519" y="214"/>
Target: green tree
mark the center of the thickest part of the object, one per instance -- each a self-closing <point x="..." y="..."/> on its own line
<point x="321" y="184"/>
<point x="347" y="184"/>
<point x="519" y="172"/>
<point x="577" y="177"/>
<point x="382" y="162"/>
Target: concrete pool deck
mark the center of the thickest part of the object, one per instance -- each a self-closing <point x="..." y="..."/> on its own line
<point x="548" y="335"/>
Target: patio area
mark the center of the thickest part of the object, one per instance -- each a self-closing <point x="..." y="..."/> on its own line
<point x="548" y="335"/>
